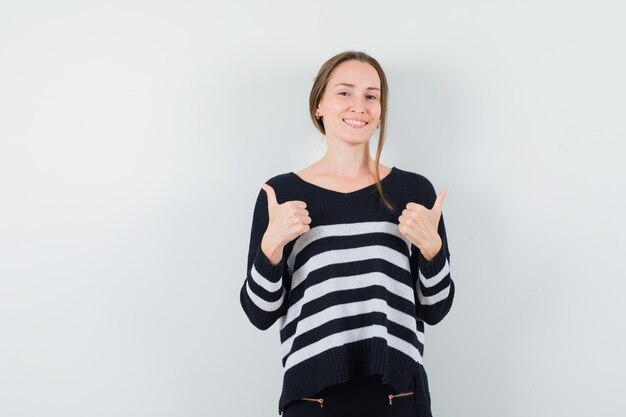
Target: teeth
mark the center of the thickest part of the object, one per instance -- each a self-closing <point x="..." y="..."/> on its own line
<point x="354" y="122"/>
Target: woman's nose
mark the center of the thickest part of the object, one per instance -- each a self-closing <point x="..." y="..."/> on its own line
<point x="359" y="105"/>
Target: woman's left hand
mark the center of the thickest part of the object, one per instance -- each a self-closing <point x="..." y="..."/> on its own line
<point x="419" y="224"/>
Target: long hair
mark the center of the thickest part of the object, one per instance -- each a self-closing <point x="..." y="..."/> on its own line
<point x="317" y="92"/>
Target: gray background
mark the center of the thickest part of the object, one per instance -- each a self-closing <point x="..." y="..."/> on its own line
<point x="135" y="135"/>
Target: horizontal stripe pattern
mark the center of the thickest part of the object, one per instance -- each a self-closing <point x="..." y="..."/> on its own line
<point x="434" y="299"/>
<point x="330" y="307"/>
<point x="351" y="309"/>
<point x="427" y="288"/>
<point x="435" y="279"/>
<point x="343" y="229"/>
<point x="352" y="335"/>
<point x="265" y="291"/>
<point x="352" y="295"/>
<point x="264" y="304"/>
<point x="264" y="282"/>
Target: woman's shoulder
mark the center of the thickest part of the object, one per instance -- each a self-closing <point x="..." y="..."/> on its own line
<point x="279" y="179"/>
<point x="417" y="185"/>
<point x="413" y="176"/>
<point x="283" y="184"/>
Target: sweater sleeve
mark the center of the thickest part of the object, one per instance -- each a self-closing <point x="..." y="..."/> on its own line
<point x="262" y="295"/>
<point x="434" y="286"/>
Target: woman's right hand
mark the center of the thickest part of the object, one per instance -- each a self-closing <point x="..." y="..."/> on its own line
<point x="287" y="221"/>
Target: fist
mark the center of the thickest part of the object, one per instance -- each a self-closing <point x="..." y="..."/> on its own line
<point x="287" y="221"/>
<point x="419" y="224"/>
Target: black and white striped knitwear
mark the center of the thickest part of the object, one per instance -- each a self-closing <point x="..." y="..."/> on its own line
<point x="351" y="295"/>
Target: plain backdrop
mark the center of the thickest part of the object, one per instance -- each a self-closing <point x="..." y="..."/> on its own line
<point x="135" y="136"/>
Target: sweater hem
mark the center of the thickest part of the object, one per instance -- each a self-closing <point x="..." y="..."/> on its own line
<point x="342" y="363"/>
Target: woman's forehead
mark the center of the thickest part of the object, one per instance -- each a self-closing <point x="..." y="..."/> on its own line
<point x="355" y="73"/>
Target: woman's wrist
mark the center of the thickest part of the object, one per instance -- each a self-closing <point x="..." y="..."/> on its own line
<point x="272" y="250"/>
<point x="431" y="251"/>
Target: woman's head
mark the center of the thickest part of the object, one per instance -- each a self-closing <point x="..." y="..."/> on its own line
<point x="355" y="63"/>
<point x="331" y="102"/>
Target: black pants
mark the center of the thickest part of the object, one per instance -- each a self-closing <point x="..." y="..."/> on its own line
<point x="362" y="397"/>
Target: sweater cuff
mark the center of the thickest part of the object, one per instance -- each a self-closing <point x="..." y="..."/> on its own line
<point x="269" y="271"/>
<point x="431" y="268"/>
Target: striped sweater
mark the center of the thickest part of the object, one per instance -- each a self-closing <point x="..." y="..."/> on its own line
<point x="352" y="294"/>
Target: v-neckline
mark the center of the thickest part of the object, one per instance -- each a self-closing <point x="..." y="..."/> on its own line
<point x="360" y="190"/>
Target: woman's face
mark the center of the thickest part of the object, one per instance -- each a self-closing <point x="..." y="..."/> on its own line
<point x="351" y="102"/>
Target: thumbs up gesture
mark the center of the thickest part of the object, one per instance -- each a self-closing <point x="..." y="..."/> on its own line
<point x="287" y="221"/>
<point x="419" y="224"/>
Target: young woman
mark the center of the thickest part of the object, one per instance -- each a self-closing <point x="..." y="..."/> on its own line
<point x="351" y="258"/>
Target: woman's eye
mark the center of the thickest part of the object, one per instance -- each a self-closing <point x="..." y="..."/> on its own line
<point x="371" y="97"/>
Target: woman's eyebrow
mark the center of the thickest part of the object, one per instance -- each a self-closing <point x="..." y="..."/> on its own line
<point x="352" y="85"/>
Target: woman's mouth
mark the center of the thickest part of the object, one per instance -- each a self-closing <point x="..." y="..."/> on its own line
<point x="356" y="124"/>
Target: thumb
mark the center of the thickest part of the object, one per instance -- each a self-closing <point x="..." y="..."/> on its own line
<point x="271" y="195"/>
<point x="439" y="201"/>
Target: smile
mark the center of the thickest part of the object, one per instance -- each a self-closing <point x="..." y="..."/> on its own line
<point x="354" y="123"/>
